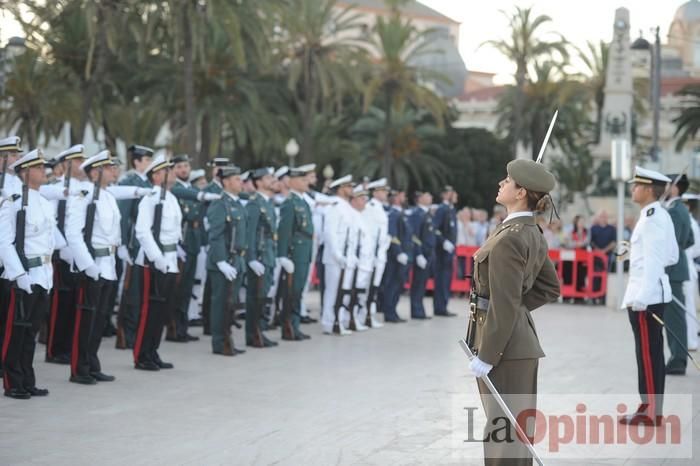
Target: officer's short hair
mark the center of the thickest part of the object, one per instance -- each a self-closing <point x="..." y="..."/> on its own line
<point x="658" y="190"/>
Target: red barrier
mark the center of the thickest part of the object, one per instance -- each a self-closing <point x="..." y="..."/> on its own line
<point x="570" y="264"/>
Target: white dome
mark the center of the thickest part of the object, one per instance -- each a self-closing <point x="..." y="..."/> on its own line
<point x="689" y="12"/>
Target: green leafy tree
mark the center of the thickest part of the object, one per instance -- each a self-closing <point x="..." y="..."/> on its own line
<point x="688" y="122"/>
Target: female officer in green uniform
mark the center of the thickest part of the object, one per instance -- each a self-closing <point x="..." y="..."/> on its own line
<point x="513" y="276"/>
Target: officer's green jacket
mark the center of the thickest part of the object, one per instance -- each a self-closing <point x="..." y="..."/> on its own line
<point x="513" y="271"/>
<point x="262" y="230"/>
<point x="213" y="187"/>
<point x="684" y="236"/>
<point x="192" y="216"/>
<point x="227" y="221"/>
<point x="295" y="230"/>
<point x="128" y="208"/>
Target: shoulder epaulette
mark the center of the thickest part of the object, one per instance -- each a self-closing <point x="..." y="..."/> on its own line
<point x="650" y="212"/>
<point x="15" y="196"/>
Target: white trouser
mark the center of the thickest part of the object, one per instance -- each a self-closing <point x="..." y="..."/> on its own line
<point x="275" y="281"/>
<point x="332" y="276"/>
<point x="379" y="272"/>
<point x="314" y="251"/>
<point x="363" y="277"/>
<point x="690" y="288"/>
<point x="194" y="309"/>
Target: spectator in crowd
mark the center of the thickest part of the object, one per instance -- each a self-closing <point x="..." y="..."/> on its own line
<point x="481" y="226"/>
<point x="577" y="239"/>
<point x="603" y="239"/>
<point x="551" y="232"/>
<point x="466" y="229"/>
<point x="499" y="214"/>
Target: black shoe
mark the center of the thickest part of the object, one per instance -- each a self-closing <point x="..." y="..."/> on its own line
<point x="33" y="391"/>
<point x="83" y="379"/>
<point x="195" y="323"/>
<point x="238" y="351"/>
<point x="164" y="365"/>
<point x="18" y="394"/>
<point x="675" y="370"/>
<point x="308" y="320"/>
<point x="396" y="320"/>
<point x="421" y="317"/>
<point x="445" y="314"/>
<point x="177" y="339"/>
<point x="191" y="337"/>
<point x="268" y="343"/>
<point x="101" y="377"/>
<point x="640" y="418"/>
<point x="58" y="359"/>
<point x="147" y="366"/>
<point x="299" y="336"/>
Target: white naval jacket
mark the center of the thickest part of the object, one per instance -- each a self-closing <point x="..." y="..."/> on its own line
<point x="378" y="221"/>
<point x="170" y="230"/>
<point x="340" y="226"/>
<point x="653" y="247"/>
<point x="40" y="238"/>
<point x="106" y="232"/>
<point x="367" y="242"/>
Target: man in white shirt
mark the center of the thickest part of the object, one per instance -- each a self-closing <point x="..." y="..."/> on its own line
<point x="93" y="233"/>
<point x="27" y="239"/>
<point x="375" y="214"/>
<point x="652" y="249"/>
<point x="157" y="257"/>
<point x="339" y="239"/>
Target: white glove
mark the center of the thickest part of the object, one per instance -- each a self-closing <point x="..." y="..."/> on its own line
<point x="448" y="246"/>
<point x="287" y="265"/>
<point x="123" y="254"/>
<point x="24" y="283"/>
<point x="93" y="271"/>
<point x="479" y="368"/>
<point x="421" y="261"/>
<point x="257" y="268"/>
<point x="140" y="192"/>
<point x="161" y="264"/>
<point x="207" y="197"/>
<point x="638" y="306"/>
<point x="228" y="270"/>
<point x="402" y="258"/>
<point x="623" y="251"/>
<point x="341" y="261"/>
<point x="181" y="254"/>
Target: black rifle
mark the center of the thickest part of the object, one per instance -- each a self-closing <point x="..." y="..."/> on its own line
<point x="339" y="294"/>
<point x="90" y="216"/>
<point x="354" y="291"/>
<point x="2" y="175"/>
<point x="232" y="299"/>
<point x="471" y="318"/>
<point x="22" y="320"/>
<point x="371" y="289"/>
<point x="260" y="280"/>
<point x="62" y="202"/>
<point x="155" y="229"/>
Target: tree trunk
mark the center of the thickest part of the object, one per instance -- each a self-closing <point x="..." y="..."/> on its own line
<point x="519" y="107"/>
<point x="387" y="158"/>
<point x="206" y="139"/>
<point x="188" y="81"/>
<point x="308" y="114"/>
<point x="94" y="78"/>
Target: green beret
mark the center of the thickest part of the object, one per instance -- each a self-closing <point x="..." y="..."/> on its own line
<point x="531" y="175"/>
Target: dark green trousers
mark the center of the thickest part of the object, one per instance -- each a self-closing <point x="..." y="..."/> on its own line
<point x="256" y="296"/>
<point x="676" y="325"/>
<point x="184" y="294"/>
<point x="223" y="293"/>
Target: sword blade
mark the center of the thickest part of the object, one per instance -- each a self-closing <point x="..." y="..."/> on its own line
<point x="504" y="407"/>
<point x="546" y="138"/>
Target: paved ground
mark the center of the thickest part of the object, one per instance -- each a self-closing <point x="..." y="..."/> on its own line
<point x="388" y="396"/>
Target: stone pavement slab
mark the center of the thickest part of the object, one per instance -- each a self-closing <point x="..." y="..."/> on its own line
<point x="386" y="396"/>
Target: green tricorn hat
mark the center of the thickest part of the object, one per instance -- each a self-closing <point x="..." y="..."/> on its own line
<point x="531" y="175"/>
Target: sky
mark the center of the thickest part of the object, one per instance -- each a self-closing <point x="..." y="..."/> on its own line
<point x="578" y="21"/>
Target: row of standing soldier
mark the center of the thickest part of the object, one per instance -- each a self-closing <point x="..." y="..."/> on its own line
<point x="67" y="244"/>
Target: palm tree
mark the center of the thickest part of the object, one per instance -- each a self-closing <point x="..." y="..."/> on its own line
<point x="393" y="81"/>
<point x="416" y="150"/>
<point x="688" y="122"/>
<point x="596" y="63"/>
<point x="524" y="48"/>
<point x="318" y="44"/>
<point x="38" y="99"/>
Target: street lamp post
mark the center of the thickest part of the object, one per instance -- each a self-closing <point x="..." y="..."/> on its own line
<point x="620" y="172"/>
<point x="292" y="149"/>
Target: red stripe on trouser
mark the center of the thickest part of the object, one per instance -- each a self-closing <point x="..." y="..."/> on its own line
<point x="52" y="318"/>
<point x="646" y="359"/>
<point x="8" y="335"/>
<point x="75" y="348"/>
<point x="144" y="312"/>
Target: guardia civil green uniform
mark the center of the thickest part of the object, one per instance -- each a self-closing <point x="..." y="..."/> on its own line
<point x="130" y="305"/>
<point x="295" y="242"/>
<point x="192" y="239"/>
<point x="228" y="243"/>
<point x="262" y="247"/>
<point x="215" y="187"/>
<point x="513" y="276"/>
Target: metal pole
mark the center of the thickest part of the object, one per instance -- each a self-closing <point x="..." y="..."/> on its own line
<point x="655" y="93"/>
<point x="620" y="264"/>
